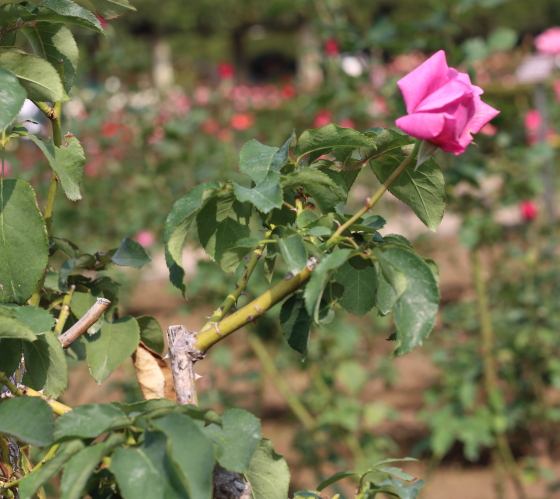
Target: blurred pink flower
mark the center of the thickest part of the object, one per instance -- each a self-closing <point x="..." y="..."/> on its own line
<point x="529" y="210"/>
<point x="7" y="168"/>
<point x="202" y="95"/>
<point x="533" y="120"/>
<point x="548" y="42"/>
<point x="145" y="238"/>
<point x="242" y="121"/>
<point x="489" y="130"/>
<point x="347" y="123"/>
<point x="443" y="105"/>
<point x="331" y="47"/>
<point x="322" y="118"/>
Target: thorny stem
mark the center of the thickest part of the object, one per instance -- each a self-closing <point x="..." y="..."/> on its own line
<point x="376" y="197"/>
<point x="240" y="286"/>
<point x="39" y="465"/>
<point x="255" y="309"/>
<point x="56" y="406"/>
<point x="64" y="311"/>
<point x="490" y="371"/>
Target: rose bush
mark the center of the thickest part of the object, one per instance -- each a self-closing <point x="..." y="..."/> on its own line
<point x="443" y="106"/>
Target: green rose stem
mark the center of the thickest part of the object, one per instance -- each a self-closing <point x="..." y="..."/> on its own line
<point x="218" y="327"/>
<point x="55" y="115"/>
<point x="58" y="408"/>
<point x="335" y="238"/>
<point x="240" y="286"/>
<point x="490" y="371"/>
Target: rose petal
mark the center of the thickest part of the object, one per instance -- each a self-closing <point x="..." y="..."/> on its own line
<point x="422" y="125"/>
<point x="423" y="81"/>
<point x="450" y="93"/>
<point x="483" y="113"/>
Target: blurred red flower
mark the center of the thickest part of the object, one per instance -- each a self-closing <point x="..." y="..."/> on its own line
<point x="331" y="47"/>
<point x="288" y="91"/>
<point x="533" y="120"/>
<point x="347" y="123"/>
<point x="489" y="130"/>
<point x="226" y="71"/>
<point x="109" y="129"/>
<point x="242" y="121"/>
<point x="529" y="210"/>
<point x="322" y="118"/>
<point x="209" y="126"/>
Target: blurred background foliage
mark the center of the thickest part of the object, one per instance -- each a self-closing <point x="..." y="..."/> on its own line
<point x="167" y="100"/>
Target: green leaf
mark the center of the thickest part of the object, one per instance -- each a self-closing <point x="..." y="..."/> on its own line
<point x="360" y="287"/>
<point x="90" y="421"/>
<point x="268" y="267"/>
<point x="68" y="12"/>
<point x="145" y="471"/>
<point x="237" y="439"/>
<point x="39" y="79"/>
<point x="54" y="42"/>
<point x="295" y="323"/>
<point x="320" y="276"/>
<point x="323" y="140"/>
<point x="10" y="355"/>
<point x="410" y="492"/>
<point x="14" y="329"/>
<point x="109" y="9"/>
<point x="255" y="159"/>
<point x="145" y="406"/>
<point x="281" y="156"/>
<point x="80" y="467"/>
<point x="177" y="225"/>
<point x="393" y="460"/>
<point x="108" y="348"/>
<point x="335" y="478"/>
<point x="24" y="248"/>
<point x="37" y="319"/>
<point x="8" y="39"/>
<point x="64" y="246"/>
<point x="352" y="376"/>
<point x="268" y="473"/>
<point x="221" y="223"/>
<point x="151" y="333"/>
<point x="68" y="163"/>
<point x="325" y="186"/>
<point x="232" y="257"/>
<point x="46" y="364"/>
<point x="422" y="189"/>
<point x="29" y="419"/>
<point x="417" y="307"/>
<point x="81" y="303"/>
<point x="32" y="482"/>
<point x="265" y="196"/>
<point x="398" y="472"/>
<point x="131" y="253"/>
<point x="194" y="461"/>
<point x="386" y="297"/>
<point x="293" y="252"/>
<point x="384" y="140"/>
<point x="12" y="97"/>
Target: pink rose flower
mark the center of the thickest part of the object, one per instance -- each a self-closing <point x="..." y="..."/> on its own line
<point x="443" y="106"/>
<point x="549" y="41"/>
